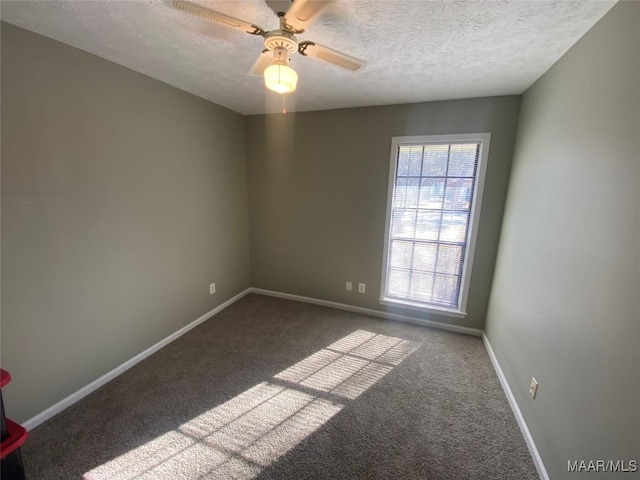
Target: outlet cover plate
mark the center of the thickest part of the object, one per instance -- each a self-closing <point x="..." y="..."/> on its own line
<point x="533" y="388"/>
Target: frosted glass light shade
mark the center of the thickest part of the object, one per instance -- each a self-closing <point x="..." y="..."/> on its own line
<point x="280" y="78"/>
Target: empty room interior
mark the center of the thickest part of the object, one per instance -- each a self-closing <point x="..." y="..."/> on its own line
<point x="348" y="239"/>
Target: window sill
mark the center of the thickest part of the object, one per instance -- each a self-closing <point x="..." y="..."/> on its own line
<point x="450" y="312"/>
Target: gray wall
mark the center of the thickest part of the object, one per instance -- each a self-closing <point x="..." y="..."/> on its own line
<point x="318" y="192"/>
<point x="122" y="199"/>
<point x="564" y="305"/>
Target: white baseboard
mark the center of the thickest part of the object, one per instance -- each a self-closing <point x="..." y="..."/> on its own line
<point x="374" y="313"/>
<point x="528" y="438"/>
<point x="99" y="382"/>
<point x="91" y="387"/>
<point x="87" y="389"/>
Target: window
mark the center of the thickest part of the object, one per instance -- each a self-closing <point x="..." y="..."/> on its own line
<point x="433" y="207"/>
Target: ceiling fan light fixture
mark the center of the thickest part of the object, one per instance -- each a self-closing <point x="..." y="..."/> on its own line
<point x="280" y="78"/>
<point x="281" y="42"/>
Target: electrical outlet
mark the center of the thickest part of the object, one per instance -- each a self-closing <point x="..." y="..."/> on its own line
<point x="212" y="289"/>
<point x="533" y="388"/>
<point x="361" y="287"/>
<point x="349" y="286"/>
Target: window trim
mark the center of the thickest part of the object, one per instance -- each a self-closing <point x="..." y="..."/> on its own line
<point x="472" y="234"/>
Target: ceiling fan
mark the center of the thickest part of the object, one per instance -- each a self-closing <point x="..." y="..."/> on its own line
<point x="273" y="62"/>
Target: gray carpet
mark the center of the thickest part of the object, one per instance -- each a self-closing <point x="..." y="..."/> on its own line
<point x="275" y="389"/>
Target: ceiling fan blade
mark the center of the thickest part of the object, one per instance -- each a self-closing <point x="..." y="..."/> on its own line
<point x="217" y="17"/>
<point x="302" y="13"/>
<point x="314" y="50"/>
<point x="263" y="61"/>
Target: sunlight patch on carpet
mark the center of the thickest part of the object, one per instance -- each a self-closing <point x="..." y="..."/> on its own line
<point x="240" y="437"/>
<point x="351" y="365"/>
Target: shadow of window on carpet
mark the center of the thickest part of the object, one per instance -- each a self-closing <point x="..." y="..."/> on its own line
<point x="249" y="432"/>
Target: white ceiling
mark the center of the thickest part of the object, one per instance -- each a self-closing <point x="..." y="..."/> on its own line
<point x="414" y="50"/>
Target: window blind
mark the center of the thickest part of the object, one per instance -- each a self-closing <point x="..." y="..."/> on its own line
<point x="430" y="217"/>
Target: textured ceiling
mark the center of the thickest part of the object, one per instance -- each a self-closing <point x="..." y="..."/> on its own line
<point x="414" y="50"/>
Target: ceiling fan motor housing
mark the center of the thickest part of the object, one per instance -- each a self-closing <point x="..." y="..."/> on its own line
<point x="281" y="39"/>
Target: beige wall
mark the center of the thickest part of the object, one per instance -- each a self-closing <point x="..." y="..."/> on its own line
<point x="122" y="199"/>
<point x="565" y="300"/>
<point x="318" y="192"/>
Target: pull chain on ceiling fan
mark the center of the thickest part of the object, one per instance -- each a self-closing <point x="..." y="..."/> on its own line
<point x="273" y="62"/>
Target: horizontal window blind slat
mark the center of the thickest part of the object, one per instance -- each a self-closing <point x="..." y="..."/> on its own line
<point x="435" y="177"/>
<point x="434" y="242"/>
<point x="410" y="270"/>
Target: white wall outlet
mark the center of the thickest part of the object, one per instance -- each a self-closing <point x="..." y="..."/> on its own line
<point x="361" y="288"/>
<point x="212" y="289"/>
<point x="533" y="388"/>
<point x="349" y="286"/>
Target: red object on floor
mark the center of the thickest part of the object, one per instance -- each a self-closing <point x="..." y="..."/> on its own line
<point x="17" y="436"/>
<point x="5" y="377"/>
<point x="12" y="438"/>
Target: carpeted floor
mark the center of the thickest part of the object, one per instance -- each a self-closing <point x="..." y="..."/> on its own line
<point x="275" y="389"/>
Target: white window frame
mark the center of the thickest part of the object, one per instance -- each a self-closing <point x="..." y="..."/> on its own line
<point x="476" y="204"/>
